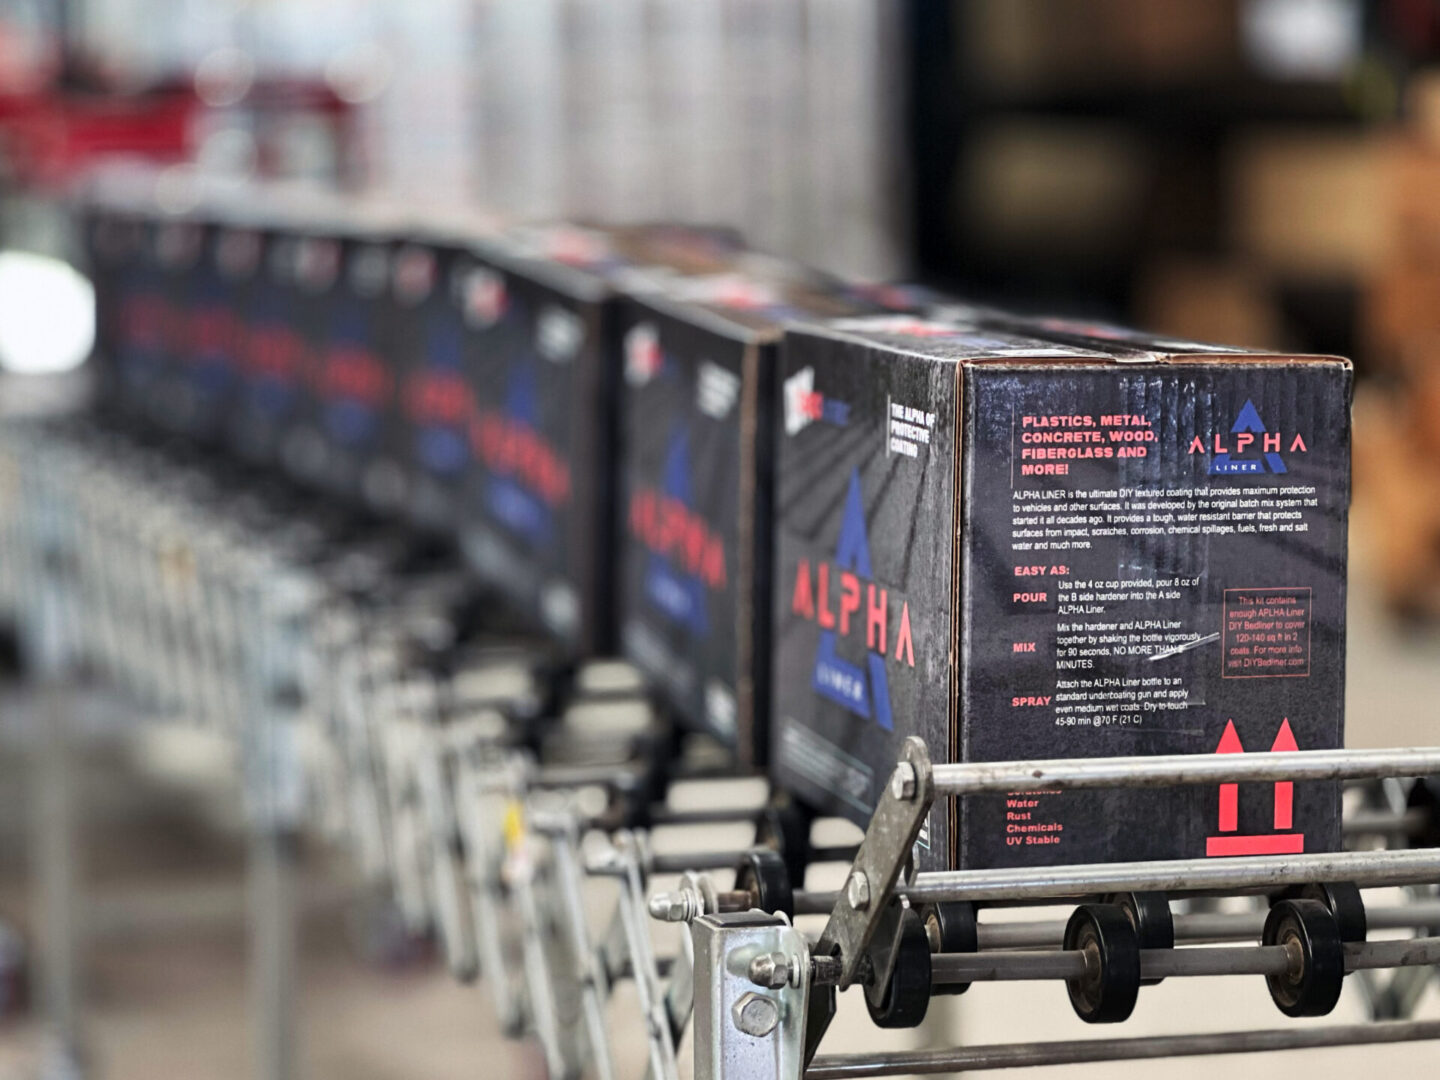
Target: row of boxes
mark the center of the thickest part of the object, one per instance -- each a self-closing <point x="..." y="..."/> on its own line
<point x="815" y="521"/>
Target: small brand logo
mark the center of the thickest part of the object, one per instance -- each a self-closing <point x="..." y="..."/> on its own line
<point x="833" y="596"/>
<point x="644" y="358"/>
<point x="317" y="263"/>
<point x="716" y="390"/>
<point x="558" y="334"/>
<point x="414" y="275"/>
<point x="482" y="296"/>
<point x="1248" y="436"/>
<point x="803" y="406"/>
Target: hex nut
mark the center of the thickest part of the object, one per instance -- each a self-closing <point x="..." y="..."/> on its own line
<point x="756" y="1015"/>
<point x="857" y="891"/>
<point x="903" y="782"/>
<point x="771" y="970"/>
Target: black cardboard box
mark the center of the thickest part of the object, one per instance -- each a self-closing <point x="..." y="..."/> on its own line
<point x="536" y="506"/>
<point x="178" y="247"/>
<point x="113" y="240"/>
<point x="146" y="262"/>
<point x="274" y="357"/>
<point x="207" y="372"/>
<point x="542" y="366"/>
<point x="696" y="489"/>
<point x="1024" y="547"/>
<point x="429" y="343"/>
<point x="338" y="437"/>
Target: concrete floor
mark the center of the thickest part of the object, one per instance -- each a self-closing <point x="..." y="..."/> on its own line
<point x="166" y="996"/>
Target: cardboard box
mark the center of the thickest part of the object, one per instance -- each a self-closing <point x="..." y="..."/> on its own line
<point x="275" y="359"/>
<point x="113" y="239"/>
<point x="697" y="421"/>
<point x="207" y="373"/>
<point x="177" y="246"/>
<point x="430" y="344"/>
<point x="536" y="517"/>
<point x="338" y="437"/>
<point x="145" y="259"/>
<point x="1024" y="547"/>
<point x="542" y="366"/>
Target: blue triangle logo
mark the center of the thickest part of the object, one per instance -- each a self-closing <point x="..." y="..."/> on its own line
<point x="865" y="692"/>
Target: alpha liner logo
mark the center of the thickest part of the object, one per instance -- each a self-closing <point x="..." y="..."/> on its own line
<point x="863" y="691"/>
<point x="528" y="480"/>
<point x="685" y="557"/>
<point x="1247" y="431"/>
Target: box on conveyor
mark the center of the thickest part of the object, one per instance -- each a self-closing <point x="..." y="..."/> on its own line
<point x="339" y="437"/>
<point x="275" y="357"/>
<point x="695" y="475"/>
<point x="143" y="259"/>
<point x="541" y="369"/>
<point x="1047" y="539"/>
<point x="113" y="244"/>
<point x="440" y="311"/>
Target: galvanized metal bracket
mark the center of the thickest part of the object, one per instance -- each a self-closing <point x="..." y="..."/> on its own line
<point x="863" y="905"/>
<point x="742" y="1029"/>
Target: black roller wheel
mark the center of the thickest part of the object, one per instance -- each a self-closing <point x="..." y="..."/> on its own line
<point x="1312" y="934"/>
<point x="951" y="927"/>
<point x="1106" y="993"/>
<point x="1149" y="913"/>
<point x="1343" y="900"/>
<point x="904" y="1001"/>
<point x="763" y="874"/>
<point x="1425" y="795"/>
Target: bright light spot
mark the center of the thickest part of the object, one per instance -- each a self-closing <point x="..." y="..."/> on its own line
<point x="1304" y="39"/>
<point x="360" y="73"/>
<point x="47" y="314"/>
<point x="224" y="76"/>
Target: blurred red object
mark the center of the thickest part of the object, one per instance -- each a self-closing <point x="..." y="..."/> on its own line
<point x="49" y="138"/>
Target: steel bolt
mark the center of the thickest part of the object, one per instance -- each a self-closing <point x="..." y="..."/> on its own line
<point x="756" y="1015"/>
<point x="770" y="970"/>
<point x="903" y="782"/>
<point x="673" y="907"/>
<point x="857" y="891"/>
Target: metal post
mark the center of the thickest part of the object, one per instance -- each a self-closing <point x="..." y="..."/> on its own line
<point x="49" y="645"/>
<point x="593" y="984"/>
<point x="275" y="795"/>
<point x="741" y="1029"/>
<point x="55" y="895"/>
<point x="634" y="914"/>
<point x="273" y="943"/>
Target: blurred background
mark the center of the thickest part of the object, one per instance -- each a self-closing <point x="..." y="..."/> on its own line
<point x="1255" y="172"/>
